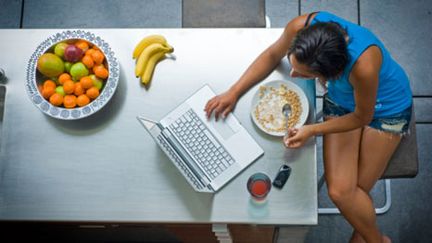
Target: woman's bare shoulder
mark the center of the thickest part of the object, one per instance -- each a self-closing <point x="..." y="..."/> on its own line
<point x="368" y="65"/>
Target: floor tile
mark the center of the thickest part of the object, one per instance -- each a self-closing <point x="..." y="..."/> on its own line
<point x="280" y="12"/>
<point x="223" y="13"/>
<point x="10" y="14"/>
<point x="423" y="111"/>
<point x="102" y="14"/>
<point x="405" y="28"/>
<point x="346" y="9"/>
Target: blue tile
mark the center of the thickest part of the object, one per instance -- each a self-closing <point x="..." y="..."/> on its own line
<point x="223" y="13"/>
<point x="423" y="110"/>
<point x="346" y="9"/>
<point x="102" y="14"/>
<point x="10" y="13"/>
<point x="424" y="133"/>
<point x="405" y="29"/>
<point x="331" y="229"/>
<point x="280" y="12"/>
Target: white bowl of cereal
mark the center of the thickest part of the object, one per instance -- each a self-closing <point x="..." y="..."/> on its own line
<point x="268" y="102"/>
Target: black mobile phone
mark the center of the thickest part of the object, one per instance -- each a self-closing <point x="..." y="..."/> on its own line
<point x="282" y="176"/>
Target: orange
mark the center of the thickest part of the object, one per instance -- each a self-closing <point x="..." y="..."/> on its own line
<point x="88" y="61"/>
<point x="100" y="71"/>
<point x="49" y="83"/>
<point x="89" y="51"/>
<point x="82" y="100"/>
<point x="82" y="44"/>
<point x="48" y="91"/>
<point x="56" y="99"/>
<point x="69" y="101"/>
<point x="69" y="87"/>
<point x="86" y="82"/>
<point x="98" y="57"/>
<point x="79" y="90"/>
<point x="64" y="77"/>
<point x="92" y="93"/>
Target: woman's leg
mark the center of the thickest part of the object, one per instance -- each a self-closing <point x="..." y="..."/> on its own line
<point x="341" y="163"/>
<point x="376" y="149"/>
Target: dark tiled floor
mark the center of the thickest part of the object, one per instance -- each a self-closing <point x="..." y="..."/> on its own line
<point x="223" y="13"/>
<point x="280" y="11"/>
<point x="114" y="14"/>
<point x="347" y="9"/>
<point x="10" y="13"/>
<point x="403" y="25"/>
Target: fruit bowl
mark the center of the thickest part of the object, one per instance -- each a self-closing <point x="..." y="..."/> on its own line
<point x="46" y="62"/>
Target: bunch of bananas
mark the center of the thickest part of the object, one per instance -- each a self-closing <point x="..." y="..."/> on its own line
<point x="149" y="51"/>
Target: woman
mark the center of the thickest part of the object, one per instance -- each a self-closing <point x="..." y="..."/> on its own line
<point x="366" y="110"/>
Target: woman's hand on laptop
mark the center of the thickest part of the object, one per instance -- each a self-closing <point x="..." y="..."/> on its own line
<point x="221" y="105"/>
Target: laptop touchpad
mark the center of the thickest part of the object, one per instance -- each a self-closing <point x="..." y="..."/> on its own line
<point x="223" y="128"/>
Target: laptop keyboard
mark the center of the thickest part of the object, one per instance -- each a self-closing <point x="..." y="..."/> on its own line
<point x="185" y="171"/>
<point x="203" y="146"/>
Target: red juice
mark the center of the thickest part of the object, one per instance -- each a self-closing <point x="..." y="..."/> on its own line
<point x="259" y="186"/>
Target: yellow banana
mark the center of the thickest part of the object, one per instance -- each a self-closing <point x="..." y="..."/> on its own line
<point x="147" y="41"/>
<point x="151" y="64"/>
<point x="146" y="54"/>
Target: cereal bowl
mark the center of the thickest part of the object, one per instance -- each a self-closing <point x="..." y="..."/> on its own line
<point x="267" y="104"/>
<point x="101" y="77"/>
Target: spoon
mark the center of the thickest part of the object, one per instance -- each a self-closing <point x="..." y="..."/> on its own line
<point x="286" y="110"/>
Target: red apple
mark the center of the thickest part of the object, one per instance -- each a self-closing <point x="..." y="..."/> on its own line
<point x="72" y="53"/>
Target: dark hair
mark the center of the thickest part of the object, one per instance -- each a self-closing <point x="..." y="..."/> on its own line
<point x="323" y="48"/>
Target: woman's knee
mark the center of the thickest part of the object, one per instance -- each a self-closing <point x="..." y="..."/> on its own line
<point x="341" y="192"/>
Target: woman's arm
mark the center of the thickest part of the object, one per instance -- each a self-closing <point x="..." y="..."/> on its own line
<point x="267" y="61"/>
<point x="364" y="78"/>
<point x="263" y="65"/>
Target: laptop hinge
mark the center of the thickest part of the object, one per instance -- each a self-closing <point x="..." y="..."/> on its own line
<point x="185" y="157"/>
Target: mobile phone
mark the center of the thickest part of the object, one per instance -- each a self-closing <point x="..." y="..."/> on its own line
<point x="282" y="176"/>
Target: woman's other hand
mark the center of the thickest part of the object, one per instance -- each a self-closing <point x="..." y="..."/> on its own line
<point x="221" y="104"/>
<point x="297" y="137"/>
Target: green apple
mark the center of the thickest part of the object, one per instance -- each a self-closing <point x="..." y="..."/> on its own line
<point x="97" y="82"/>
<point x="59" y="49"/>
<point x="60" y="90"/>
<point x="78" y="70"/>
<point x="68" y="66"/>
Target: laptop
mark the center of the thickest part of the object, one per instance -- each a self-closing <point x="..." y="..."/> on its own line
<point x="207" y="153"/>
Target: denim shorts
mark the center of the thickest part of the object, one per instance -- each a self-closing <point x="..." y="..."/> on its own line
<point x="396" y="124"/>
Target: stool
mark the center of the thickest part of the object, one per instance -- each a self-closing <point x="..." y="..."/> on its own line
<point x="223" y="13"/>
<point x="403" y="164"/>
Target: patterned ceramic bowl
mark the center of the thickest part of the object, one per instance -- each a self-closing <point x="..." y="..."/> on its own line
<point x="35" y="78"/>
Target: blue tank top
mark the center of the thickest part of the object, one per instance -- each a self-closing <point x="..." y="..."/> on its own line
<point x="394" y="92"/>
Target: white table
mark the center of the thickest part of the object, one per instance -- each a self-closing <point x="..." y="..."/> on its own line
<point x="106" y="168"/>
